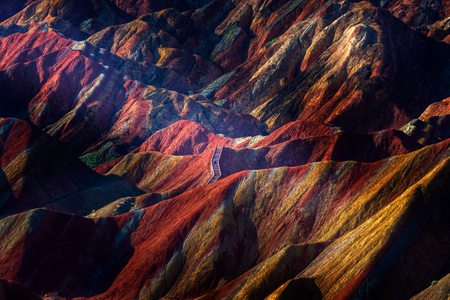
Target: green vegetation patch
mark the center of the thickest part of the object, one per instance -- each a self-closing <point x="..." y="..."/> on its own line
<point x="273" y="41"/>
<point x="101" y="156"/>
<point x="230" y="33"/>
<point x="220" y="102"/>
<point x="217" y="84"/>
<point x="86" y="25"/>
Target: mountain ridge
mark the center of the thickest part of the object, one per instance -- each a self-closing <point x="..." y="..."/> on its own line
<point x="332" y="122"/>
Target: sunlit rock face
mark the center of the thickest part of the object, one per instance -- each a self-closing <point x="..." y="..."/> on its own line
<point x="326" y="124"/>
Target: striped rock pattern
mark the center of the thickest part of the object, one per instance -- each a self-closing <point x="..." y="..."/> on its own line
<point x="224" y="149"/>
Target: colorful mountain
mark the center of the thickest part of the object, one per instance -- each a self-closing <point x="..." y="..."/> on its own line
<point x="39" y="171"/>
<point x="224" y="149"/>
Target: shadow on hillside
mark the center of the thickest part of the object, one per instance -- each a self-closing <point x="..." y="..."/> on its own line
<point x="301" y="289"/>
<point x="72" y="256"/>
<point x="16" y="94"/>
<point x="6" y="194"/>
<point x="108" y="278"/>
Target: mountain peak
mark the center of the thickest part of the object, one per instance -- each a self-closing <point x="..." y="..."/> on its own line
<point x="224" y="149"/>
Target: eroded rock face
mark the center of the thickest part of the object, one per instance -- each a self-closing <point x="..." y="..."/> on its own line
<point x="86" y="97"/>
<point x="339" y="67"/>
<point x="141" y="7"/>
<point x="332" y="123"/>
<point x="12" y="7"/>
<point x="37" y="170"/>
<point x="438" y="289"/>
<point x="250" y="226"/>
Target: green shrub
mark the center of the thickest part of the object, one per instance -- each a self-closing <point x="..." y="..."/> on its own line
<point x="86" y="25"/>
<point x="273" y="41"/>
<point x="217" y="84"/>
<point x="101" y="156"/>
<point x="220" y="102"/>
<point x="230" y="33"/>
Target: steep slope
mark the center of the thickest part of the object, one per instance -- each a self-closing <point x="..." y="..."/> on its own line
<point x="178" y="158"/>
<point x="255" y="196"/>
<point x="165" y="39"/>
<point x="9" y="8"/>
<point x="141" y="7"/>
<point x="341" y="146"/>
<point x="159" y="36"/>
<point x="183" y="138"/>
<point x="76" y="19"/>
<point x="353" y="91"/>
<point x="437" y="109"/>
<point x="247" y="235"/>
<point x="295" y="130"/>
<point x="420" y="14"/>
<point x="14" y="291"/>
<point x="89" y="253"/>
<point x="168" y="175"/>
<point x="433" y="124"/>
<point x="438" y="290"/>
<point x="187" y="138"/>
<point x="331" y="117"/>
<point x="345" y="66"/>
<point x="86" y="101"/>
<point x="36" y="171"/>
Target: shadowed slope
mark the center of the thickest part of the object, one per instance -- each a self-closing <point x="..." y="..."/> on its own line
<point x="85" y="101"/>
<point x="183" y="160"/>
<point x="160" y="38"/>
<point x="248" y="234"/>
<point x="141" y="7"/>
<point x="389" y="242"/>
<point x="64" y="255"/>
<point x="183" y="138"/>
<point x="341" y="146"/>
<point x="350" y="65"/>
<point x="187" y="138"/>
<point x="339" y="86"/>
<point x="438" y="290"/>
<point x="10" y="290"/>
<point x="8" y="8"/>
<point x="76" y="19"/>
<point x="431" y="17"/>
<point x="37" y="170"/>
<point x="433" y="124"/>
<point x="295" y="130"/>
<point x="154" y="172"/>
<point x="321" y="196"/>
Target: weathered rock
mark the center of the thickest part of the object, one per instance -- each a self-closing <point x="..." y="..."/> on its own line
<point x="334" y="122"/>
<point x="36" y="171"/>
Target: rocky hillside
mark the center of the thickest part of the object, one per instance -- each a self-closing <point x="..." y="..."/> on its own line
<point x="224" y="149"/>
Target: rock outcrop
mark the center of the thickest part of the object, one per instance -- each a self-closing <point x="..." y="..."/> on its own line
<point x="333" y="122"/>
<point x="38" y="171"/>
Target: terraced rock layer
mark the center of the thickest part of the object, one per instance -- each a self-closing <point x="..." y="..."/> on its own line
<point x="280" y="224"/>
<point x="334" y="122"/>
<point x="37" y="171"/>
<point x="86" y="101"/>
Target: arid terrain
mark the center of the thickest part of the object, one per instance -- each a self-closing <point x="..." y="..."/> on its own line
<point x="224" y="149"/>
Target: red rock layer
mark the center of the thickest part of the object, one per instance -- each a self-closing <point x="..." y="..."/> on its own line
<point x="332" y="202"/>
<point x="37" y="171"/>
<point x="251" y="233"/>
<point x="141" y="7"/>
<point x="75" y="19"/>
<point x="295" y="144"/>
<point x="85" y="101"/>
